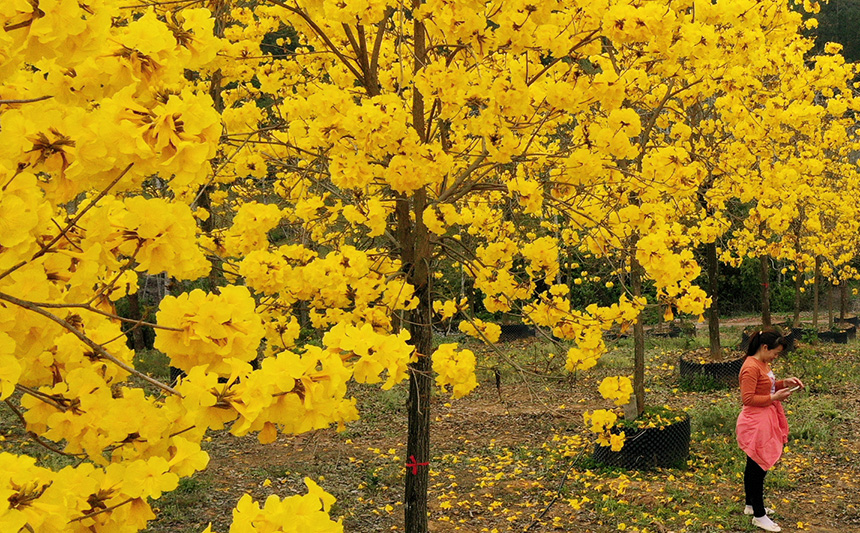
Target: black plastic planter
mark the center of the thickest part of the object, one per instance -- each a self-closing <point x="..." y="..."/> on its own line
<point x="672" y="331"/>
<point x="665" y="447"/>
<point x="722" y="373"/>
<point x="838" y="337"/>
<point x="853" y="320"/>
<point x="511" y="332"/>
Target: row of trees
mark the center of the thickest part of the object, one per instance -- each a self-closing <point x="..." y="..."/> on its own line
<point x="325" y="160"/>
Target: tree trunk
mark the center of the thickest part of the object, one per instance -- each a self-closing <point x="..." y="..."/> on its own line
<point x="415" y="252"/>
<point x="815" y="286"/>
<point x="714" y="311"/>
<point x="765" y="291"/>
<point x="843" y="300"/>
<point x="135" y="313"/>
<point x="417" y="245"/>
<point x="638" y="340"/>
<point x="798" y="281"/>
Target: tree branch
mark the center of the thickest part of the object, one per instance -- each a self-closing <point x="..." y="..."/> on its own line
<point x="24" y="101"/>
<point x="321" y="34"/>
<point x="100" y="511"/>
<point x="71" y="224"/>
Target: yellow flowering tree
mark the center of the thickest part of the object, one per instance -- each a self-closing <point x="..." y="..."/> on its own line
<point x="106" y="141"/>
<point x="794" y="132"/>
<point x="497" y="138"/>
<point x="326" y="182"/>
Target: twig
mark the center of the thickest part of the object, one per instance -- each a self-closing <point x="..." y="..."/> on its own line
<point x="24" y="101"/>
<point x="100" y="511"/>
<point x="39" y="395"/>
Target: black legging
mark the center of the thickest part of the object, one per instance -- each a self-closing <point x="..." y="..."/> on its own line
<point x="754" y="486"/>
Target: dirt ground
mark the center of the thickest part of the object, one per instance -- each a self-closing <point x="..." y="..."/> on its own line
<point x="503" y="457"/>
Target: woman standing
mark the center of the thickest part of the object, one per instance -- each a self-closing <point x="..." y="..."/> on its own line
<point x="762" y="429"/>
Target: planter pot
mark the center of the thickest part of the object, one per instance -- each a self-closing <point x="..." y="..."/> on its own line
<point x="792" y="334"/>
<point x="853" y="320"/>
<point x="511" y="332"/>
<point x="666" y="447"/>
<point x="671" y="332"/>
<point x="839" y="337"/>
<point x="722" y="373"/>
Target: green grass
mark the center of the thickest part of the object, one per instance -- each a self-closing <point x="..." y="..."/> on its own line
<point x="153" y="363"/>
<point x="173" y="508"/>
<point x="816" y="419"/>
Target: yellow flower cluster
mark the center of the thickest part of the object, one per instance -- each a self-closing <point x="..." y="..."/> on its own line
<point x="377" y="353"/>
<point x="449" y="308"/>
<point x="153" y="231"/>
<point x="250" y="226"/>
<point x="211" y="329"/>
<point x="71" y="499"/>
<point x="306" y="513"/>
<point x="601" y="422"/>
<point x="455" y="369"/>
<point x="345" y="285"/>
<point x="582" y="359"/>
<point x="617" y="388"/>
<point x="485" y="331"/>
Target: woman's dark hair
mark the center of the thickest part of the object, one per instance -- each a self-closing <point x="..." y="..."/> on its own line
<point x="770" y="337"/>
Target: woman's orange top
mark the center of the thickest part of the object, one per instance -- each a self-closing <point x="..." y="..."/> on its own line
<point x="756" y="385"/>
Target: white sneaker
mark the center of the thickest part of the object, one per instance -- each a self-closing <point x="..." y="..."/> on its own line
<point x="749" y="510"/>
<point x="765" y="523"/>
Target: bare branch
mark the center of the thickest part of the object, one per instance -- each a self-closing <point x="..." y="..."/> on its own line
<point x="321" y="34"/>
<point x="24" y="101"/>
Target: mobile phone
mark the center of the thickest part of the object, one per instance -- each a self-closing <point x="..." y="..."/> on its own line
<point x="794" y="388"/>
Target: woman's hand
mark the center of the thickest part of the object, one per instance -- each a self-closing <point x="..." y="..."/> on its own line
<point x="780" y="395"/>
<point x="793" y="382"/>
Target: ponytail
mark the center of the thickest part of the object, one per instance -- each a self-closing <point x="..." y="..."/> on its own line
<point x="770" y="337"/>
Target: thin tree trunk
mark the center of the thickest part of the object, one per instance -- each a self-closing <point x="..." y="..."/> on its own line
<point x="135" y="313"/>
<point x="415" y="251"/>
<point x="638" y="340"/>
<point x="798" y="282"/>
<point x="765" y="291"/>
<point x="815" y="287"/>
<point x="420" y="380"/>
<point x="714" y="311"/>
<point x="843" y="300"/>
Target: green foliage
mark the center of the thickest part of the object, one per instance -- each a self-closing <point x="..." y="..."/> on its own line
<point x="153" y="363"/>
<point x="700" y="382"/>
<point x="716" y="418"/>
<point x="740" y="289"/>
<point x="838" y="22"/>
